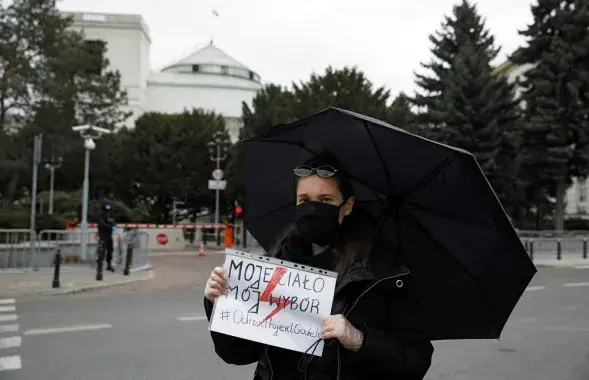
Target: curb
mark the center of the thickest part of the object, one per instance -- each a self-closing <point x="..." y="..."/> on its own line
<point x="81" y="289"/>
<point x="89" y="288"/>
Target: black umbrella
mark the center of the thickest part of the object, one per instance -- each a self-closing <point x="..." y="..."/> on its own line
<point x="432" y="200"/>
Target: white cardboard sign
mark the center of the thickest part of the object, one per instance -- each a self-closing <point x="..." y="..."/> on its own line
<point x="274" y="302"/>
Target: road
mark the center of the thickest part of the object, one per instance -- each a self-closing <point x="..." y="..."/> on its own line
<point x="159" y="332"/>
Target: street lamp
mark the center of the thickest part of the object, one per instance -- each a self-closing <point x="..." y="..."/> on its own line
<point x="51" y="165"/>
<point x="218" y="148"/>
<point x="88" y="133"/>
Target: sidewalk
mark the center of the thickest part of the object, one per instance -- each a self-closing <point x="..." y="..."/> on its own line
<point x="564" y="263"/>
<point x="72" y="280"/>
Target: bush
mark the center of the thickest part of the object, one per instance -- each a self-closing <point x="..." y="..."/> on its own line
<point x="20" y="218"/>
<point x="15" y="218"/>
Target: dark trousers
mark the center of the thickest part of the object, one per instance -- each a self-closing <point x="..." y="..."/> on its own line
<point x="106" y="247"/>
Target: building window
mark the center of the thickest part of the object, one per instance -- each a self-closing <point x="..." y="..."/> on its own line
<point x="225" y="70"/>
<point x="195" y="68"/>
<point x="252" y="75"/>
<point x="95" y="50"/>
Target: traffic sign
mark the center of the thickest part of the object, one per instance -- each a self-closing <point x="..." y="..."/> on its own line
<point x="217" y="184"/>
<point x="218" y="174"/>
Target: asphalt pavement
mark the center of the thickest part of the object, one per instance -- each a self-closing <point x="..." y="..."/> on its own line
<point x="161" y="334"/>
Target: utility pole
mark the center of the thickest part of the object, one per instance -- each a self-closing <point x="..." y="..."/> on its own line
<point x="37" y="148"/>
<point x="218" y="152"/>
<point x="51" y="166"/>
<point x="89" y="133"/>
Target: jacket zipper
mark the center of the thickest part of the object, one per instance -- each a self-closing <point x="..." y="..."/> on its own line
<point x="356" y="302"/>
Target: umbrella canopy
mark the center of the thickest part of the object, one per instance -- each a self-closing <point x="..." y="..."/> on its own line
<point x="431" y="200"/>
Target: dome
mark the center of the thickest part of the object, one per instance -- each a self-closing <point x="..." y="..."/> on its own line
<point x="212" y="60"/>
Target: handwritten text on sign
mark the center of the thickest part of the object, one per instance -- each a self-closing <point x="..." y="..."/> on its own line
<point x="274" y="304"/>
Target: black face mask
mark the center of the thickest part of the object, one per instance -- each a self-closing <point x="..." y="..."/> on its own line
<point x="318" y="222"/>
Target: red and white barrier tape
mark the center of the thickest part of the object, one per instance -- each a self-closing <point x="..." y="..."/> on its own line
<point x="167" y="226"/>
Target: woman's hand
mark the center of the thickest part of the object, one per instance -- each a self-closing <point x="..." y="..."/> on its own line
<point x="338" y="327"/>
<point x="216" y="284"/>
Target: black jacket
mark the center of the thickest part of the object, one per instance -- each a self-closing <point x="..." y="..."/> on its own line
<point x="375" y="296"/>
<point x="105" y="225"/>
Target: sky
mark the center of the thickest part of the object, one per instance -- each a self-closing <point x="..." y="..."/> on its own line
<point x="286" y="41"/>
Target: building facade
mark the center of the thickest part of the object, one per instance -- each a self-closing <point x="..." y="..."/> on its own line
<point x="207" y="78"/>
<point x="577" y="194"/>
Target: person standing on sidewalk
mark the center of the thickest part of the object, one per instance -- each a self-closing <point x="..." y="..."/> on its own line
<point x="106" y="225"/>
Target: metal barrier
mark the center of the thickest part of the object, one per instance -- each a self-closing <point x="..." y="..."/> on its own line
<point x="139" y="242"/>
<point x="68" y="243"/>
<point x="22" y="249"/>
<point x="17" y="248"/>
<point x="571" y="247"/>
<point x="552" y="233"/>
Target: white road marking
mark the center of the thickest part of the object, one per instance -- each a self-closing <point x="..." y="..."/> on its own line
<point x="565" y="328"/>
<point x="10" y="363"/>
<point x="58" y="330"/>
<point x="571" y="307"/>
<point x="8" y="317"/>
<point x="193" y="318"/>
<point x="534" y="288"/>
<point x="6" y="301"/>
<point x="575" y="284"/>
<point x="8" y="328"/>
<point x="522" y="320"/>
<point x="6" y="309"/>
<point x="10" y="342"/>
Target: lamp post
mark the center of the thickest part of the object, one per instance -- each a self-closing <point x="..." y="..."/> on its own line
<point x="51" y="166"/>
<point x="37" y="147"/>
<point x="218" y="147"/>
<point x="88" y="133"/>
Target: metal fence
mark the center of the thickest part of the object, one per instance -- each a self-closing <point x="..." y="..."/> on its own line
<point x="17" y="248"/>
<point x="23" y="249"/>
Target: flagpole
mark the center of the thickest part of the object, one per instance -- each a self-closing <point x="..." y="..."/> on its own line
<point x="215" y="15"/>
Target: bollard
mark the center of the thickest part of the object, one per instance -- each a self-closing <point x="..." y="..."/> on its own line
<point x="129" y="259"/>
<point x="99" y="260"/>
<point x="584" y="248"/>
<point x="531" y="249"/>
<point x="558" y="249"/>
<point x="527" y="245"/>
<point x="57" y="262"/>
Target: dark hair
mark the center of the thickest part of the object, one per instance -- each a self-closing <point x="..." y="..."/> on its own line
<point x="357" y="229"/>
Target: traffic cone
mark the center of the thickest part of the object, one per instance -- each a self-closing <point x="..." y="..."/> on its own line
<point x="201" y="250"/>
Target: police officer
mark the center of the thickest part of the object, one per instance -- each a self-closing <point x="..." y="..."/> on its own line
<point x="106" y="225"/>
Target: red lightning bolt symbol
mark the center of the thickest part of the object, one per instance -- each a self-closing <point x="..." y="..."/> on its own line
<point x="266" y="295"/>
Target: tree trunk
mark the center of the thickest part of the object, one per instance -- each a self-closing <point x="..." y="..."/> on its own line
<point x="560" y="204"/>
<point x="9" y="190"/>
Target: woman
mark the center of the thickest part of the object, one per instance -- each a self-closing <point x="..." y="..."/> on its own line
<point x="370" y="333"/>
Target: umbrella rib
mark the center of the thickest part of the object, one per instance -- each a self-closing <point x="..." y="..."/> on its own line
<point x="450" y="216"/>
<point x="443" y="248"/>
<point x="429" y="177"/>
<point x="381" y="158"/>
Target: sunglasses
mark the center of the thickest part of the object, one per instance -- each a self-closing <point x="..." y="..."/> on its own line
<point x="322" y="171"/>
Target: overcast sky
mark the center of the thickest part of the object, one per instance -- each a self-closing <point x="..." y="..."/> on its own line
<point x="287" y="40"/>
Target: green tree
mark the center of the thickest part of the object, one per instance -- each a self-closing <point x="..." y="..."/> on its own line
<point x="271" y="106"/>
<point x="401" y="115"/>
<point x="165" y="159"/>
<point x="466" y="105"/>
<point x="346" y="88"/>
<point x="556" y="90"/>
<point x="26" y="28"/>
<point x="50" y="80"/>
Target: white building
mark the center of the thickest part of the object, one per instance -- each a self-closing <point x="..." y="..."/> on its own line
<point x="576" y="198"/>
<point x="208" y="78"/>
